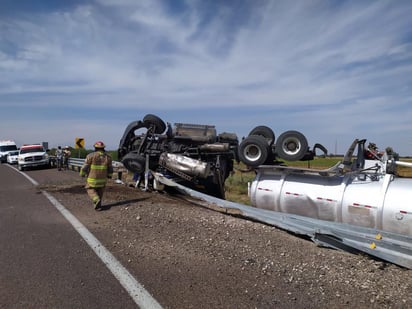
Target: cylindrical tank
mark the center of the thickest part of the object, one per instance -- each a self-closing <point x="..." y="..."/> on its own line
<point x="215" y="147"/>
<point x="185" y="164"/>
<point x="379" y="201"/>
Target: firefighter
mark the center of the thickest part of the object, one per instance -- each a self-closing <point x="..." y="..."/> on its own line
<point x="98" y="168"/>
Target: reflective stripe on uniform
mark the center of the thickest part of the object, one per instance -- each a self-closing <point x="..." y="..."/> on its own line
<point x="96" y="182"/>
<point x="98" y="167"/>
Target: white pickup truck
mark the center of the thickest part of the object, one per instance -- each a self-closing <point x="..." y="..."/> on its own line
<point x="32" y="156"/>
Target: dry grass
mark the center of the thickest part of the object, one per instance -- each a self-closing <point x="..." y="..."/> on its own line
<point x="237" y="185"/>
<point x="405" y="171"/>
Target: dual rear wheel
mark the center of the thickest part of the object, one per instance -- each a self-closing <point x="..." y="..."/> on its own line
<point x="260" y="146"/>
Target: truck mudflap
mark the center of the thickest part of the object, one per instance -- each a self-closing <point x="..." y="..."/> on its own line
<point x="387" y="246"/>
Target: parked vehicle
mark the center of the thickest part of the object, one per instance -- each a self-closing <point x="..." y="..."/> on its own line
<point x="12" y="157"/>
<point x="5" y="147"/>
<point x="363" y="191"/>
<point x="32" y="156"/>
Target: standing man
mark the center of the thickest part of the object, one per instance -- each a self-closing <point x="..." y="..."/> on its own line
<point x="66" y="156"/>
<point x="97" y="167"/>
<point x="59" y="158"/>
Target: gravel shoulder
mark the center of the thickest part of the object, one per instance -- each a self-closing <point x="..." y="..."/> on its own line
<point x="192" y="257"/>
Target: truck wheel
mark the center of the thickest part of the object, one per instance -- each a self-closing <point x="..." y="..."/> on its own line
<point x="134" y="162"/>
<point x="266" y="132"/>
<point x="254" y="150"/>
<point x="291" y="146"/>
<point x="152" y="120"/>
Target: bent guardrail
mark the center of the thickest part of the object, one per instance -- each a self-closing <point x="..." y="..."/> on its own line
<point x="391" y="247"/>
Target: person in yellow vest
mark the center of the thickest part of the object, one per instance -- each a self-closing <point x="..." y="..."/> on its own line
<point x="98" y="168"/>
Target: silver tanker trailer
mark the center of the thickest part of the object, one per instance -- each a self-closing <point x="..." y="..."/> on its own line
<point x="362" y="190"/>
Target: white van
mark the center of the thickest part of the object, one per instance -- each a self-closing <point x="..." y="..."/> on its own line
<point x="5" y="148"/>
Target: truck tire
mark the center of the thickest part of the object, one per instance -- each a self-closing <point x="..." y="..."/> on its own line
<point x="254" y="150"/>
<point x="134" y="162"/>
<point x="266" y="132"/>
<point x="158" y="124"/>
<point x="291" y="146"/>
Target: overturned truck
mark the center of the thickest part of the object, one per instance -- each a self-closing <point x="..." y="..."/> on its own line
<point x="194" y="154"/>
<point x="198" y="157"/>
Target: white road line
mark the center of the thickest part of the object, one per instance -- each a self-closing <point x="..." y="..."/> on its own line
<point x="140" y="296"/>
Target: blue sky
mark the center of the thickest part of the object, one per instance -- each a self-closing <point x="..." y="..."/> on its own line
<point x="334" y="70"/>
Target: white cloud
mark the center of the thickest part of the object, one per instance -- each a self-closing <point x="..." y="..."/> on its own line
<point x="329" y="65"/>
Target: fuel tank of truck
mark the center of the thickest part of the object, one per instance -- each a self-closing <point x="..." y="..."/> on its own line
<point x="184" y="164"/>
<point x="375" y="200"/>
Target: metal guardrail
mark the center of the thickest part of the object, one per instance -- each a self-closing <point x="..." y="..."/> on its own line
<point x="391" y="247"/>
<point x="75" y="163"/>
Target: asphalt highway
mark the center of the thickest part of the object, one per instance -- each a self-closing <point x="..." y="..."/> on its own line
<point x="44" y="262"/>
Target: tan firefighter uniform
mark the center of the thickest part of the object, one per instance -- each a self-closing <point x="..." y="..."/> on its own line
<point x="98" y="168"/>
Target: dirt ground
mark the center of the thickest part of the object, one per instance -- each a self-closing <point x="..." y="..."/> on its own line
<point x="191" y="257"/>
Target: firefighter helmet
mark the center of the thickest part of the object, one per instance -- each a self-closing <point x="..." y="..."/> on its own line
<point x="99" y="145"/>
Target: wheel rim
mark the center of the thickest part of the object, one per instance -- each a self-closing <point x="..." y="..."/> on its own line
<point x="252" y="153"/>
<point x="291" y="146"/>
